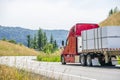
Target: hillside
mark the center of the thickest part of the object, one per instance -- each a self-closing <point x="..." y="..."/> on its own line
<point x="10" y="49"/>
<point x="113" y="20"/>
<point x="19" y="34"/>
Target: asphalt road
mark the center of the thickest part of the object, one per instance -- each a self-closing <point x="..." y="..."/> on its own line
<point x="62" y="72"/>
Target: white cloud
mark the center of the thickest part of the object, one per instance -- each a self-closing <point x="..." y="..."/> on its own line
<point x="53" y="14"/>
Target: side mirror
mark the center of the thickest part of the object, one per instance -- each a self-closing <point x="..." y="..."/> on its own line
<point x="62" y="43"/>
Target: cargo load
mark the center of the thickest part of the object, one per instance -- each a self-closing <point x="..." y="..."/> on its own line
<point x="101" y="38"/>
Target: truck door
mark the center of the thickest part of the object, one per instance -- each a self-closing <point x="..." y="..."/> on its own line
<point x="79" y="44"/>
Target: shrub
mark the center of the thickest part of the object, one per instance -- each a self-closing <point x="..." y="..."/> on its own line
<point x="12" y="41"/>
<point x="55" y="57"/>
<point x="48" y="48"/>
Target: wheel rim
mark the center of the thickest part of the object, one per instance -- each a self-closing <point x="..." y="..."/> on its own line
<point x="89" y="61"/>
<point x="82" y="60"/>
<point x="62" y="59"/>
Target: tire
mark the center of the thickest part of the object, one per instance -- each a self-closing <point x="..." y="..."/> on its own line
<point x="63" y="60"/>
<point x="83" y="60"/>
<point x="110" y="63"/>
<point x="89" y="60"/>
<point x="101" y="61"/>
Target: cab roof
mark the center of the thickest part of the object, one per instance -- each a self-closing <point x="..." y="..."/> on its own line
<point x="79" y="27"/>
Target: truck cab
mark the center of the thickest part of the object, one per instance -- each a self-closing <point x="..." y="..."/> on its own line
<point x="73" y="48"/>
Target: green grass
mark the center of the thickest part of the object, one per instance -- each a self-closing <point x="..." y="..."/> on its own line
<point x="118" y="58"/>
<point x="53" y="57"/>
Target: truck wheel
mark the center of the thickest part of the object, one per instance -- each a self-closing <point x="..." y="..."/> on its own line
<point x="101" y="61"/>
<point x="83" y="60"/>
<point x="63" y="60"/>
<point x="89" y="60"/>
<point x="110" y="63"/>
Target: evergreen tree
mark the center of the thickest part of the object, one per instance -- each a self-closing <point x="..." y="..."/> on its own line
<point x="113" y="11"/>
<point x="40" y="39"/>
<point x="116" y="10"/>
<point x="55" y="46"/>
<point x="28" y="41"/>
<point x="44" y="39"/>
<point x="35" y="42"/>
<point x="40" y="42"/>
<point x="110" y="12"/>
<point x="51" y="39"/>
<point x="31" y="43"/>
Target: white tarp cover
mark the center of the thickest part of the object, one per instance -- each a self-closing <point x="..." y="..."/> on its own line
<point x="104" y="37"/>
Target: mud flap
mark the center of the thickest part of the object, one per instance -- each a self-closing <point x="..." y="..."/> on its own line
<point x="114" y="61"/>
<point x="95" y="62"/>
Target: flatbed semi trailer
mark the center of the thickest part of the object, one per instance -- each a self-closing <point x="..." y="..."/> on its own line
<point x="90" y="45"/>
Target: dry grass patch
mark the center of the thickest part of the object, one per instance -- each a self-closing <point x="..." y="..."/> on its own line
<point x="10" y="73"/>
<point x="113" y="20"/>
<point x="10" y="49"/>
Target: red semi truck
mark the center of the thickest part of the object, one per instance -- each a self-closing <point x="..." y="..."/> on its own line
<point x="90" y="45"/>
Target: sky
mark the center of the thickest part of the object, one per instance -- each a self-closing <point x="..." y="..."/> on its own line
<point x="53" y="14"/>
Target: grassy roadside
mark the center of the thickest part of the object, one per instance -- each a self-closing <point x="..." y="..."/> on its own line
<point x="54" y="57"/>
<point x="10" y="49"/>
<point x="10" y="73"/>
